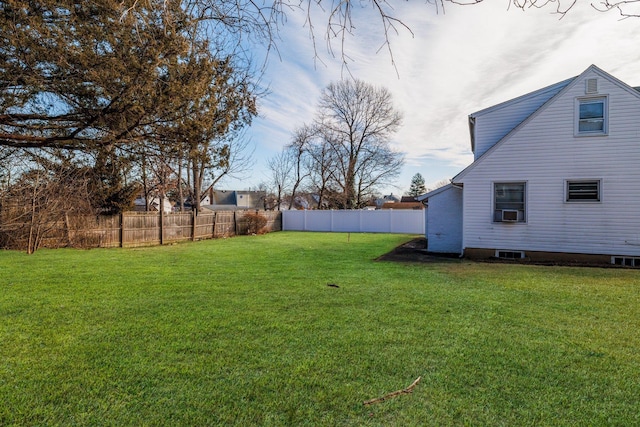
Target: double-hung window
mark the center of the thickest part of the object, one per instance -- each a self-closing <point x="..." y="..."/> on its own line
<point x="583" y="191"/>
<point x="591" y="116"/>
<point x="509" y="201"/>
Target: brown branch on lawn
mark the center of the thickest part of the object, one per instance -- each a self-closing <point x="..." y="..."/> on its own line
<point x="407" y="390"/>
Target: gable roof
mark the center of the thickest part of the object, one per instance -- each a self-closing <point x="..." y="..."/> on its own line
<point x="567" y="87"/>
<point x="529" y="103"/>
<point x="437" y="191"/>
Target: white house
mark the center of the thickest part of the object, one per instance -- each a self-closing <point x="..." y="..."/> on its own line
<point x="556" y="175"/>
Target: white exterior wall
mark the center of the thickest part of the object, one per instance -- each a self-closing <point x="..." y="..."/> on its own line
<point x="545" y="153"/>
<point x="492" y="124"/>
<point x="444" y="229"/>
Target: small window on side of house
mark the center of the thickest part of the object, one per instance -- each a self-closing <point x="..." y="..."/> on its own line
<point x="583" y="191"/>
<point x="591" y="116"/>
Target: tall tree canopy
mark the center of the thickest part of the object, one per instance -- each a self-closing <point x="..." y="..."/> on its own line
<point x="129" y="81"/>
<point x="417" y="185"/>
<point x="81" y="75"/>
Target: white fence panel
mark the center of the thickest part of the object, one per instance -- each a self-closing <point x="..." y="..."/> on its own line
<point x="356" y="221"/>
<point x="344" y="221"/>
<point x="320" y="222"/>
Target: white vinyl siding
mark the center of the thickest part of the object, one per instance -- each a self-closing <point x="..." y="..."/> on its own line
<point x="444" y="229"/>
<point x="545" y="152"/>
<point x="492" y="124"/>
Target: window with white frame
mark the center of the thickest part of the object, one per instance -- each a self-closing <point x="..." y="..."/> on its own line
<point x="591" y="116"/>
<point x="509" y="201"/>
<point x="583" y="191"/>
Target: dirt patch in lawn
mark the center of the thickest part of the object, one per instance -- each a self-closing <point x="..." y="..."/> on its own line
<point x="415" y="251"/>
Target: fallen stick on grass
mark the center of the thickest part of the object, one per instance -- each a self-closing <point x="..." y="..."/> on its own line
<point x="394" y="394"/>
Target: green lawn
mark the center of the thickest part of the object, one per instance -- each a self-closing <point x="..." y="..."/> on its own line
<point x="245" y="331"/>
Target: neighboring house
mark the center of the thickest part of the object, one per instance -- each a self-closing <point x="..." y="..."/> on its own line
<point x="403" y="205"/>
<point x="386" y="199"/>
<point x="556" y="175"/>
<point x="234" y="200"/>
<point x="140" y="205"/>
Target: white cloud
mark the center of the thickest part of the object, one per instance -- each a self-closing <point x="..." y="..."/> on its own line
<point x="470" y="58"/>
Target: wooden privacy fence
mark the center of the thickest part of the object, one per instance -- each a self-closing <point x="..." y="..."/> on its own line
<point x="143" y="229"/>
<point x="132" y="229"/>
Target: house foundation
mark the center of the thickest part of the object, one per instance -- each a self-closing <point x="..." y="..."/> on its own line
<point x="541" y="257"/>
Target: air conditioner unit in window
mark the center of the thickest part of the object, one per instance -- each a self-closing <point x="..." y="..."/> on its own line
<point x="509" y="215"/>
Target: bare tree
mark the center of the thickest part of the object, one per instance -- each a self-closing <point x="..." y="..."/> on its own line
<point x="297" y="151"/>
<point x="626" y="8"/>
<point x="322" y="167"/>
<point x="439" y="184"/>
<point x="280" y="167"/>
<point x="345" y="156"/>
<point x="357" y="121"/>
<point x="238" y="160"/>
<point x="37" y="204"/>
<point x="334" y="23"/>
<point x="380" y="165"/>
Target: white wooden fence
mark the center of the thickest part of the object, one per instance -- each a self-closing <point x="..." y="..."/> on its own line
<point x="356" y="221"/>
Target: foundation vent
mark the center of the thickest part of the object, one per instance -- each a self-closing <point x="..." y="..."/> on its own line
<point x="626" y="261"/>
<point x="504" y="254"/>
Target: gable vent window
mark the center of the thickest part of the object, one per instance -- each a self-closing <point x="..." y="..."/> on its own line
<point x="591" y="86"/>
<point x="583" y="191"/>
<point x="591" y="114"/>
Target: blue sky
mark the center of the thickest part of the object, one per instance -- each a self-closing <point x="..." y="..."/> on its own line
<point x="455" y="63"/>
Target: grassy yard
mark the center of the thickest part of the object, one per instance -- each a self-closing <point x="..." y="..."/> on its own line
<point x="245" y="331"/>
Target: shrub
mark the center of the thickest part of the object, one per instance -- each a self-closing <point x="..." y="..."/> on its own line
<point x="255" y="223"/>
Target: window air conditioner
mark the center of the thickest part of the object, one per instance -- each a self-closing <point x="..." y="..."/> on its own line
<point x="509" y="215"/>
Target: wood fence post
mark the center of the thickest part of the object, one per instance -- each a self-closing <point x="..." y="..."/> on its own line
<point x="68" y="231"/>
<point x="193" y="225"/>
<point x="161" y="221"/>
<point x="121" y="236"/>
<point x="235" y="223"/>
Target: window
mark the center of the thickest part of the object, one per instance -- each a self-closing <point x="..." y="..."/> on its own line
<point x="509" y="201"/>
<point x="583" y="191"/>
<point x="592" y="116"/>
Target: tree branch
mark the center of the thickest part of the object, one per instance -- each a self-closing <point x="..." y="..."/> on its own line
<point x="407" y="390"/>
